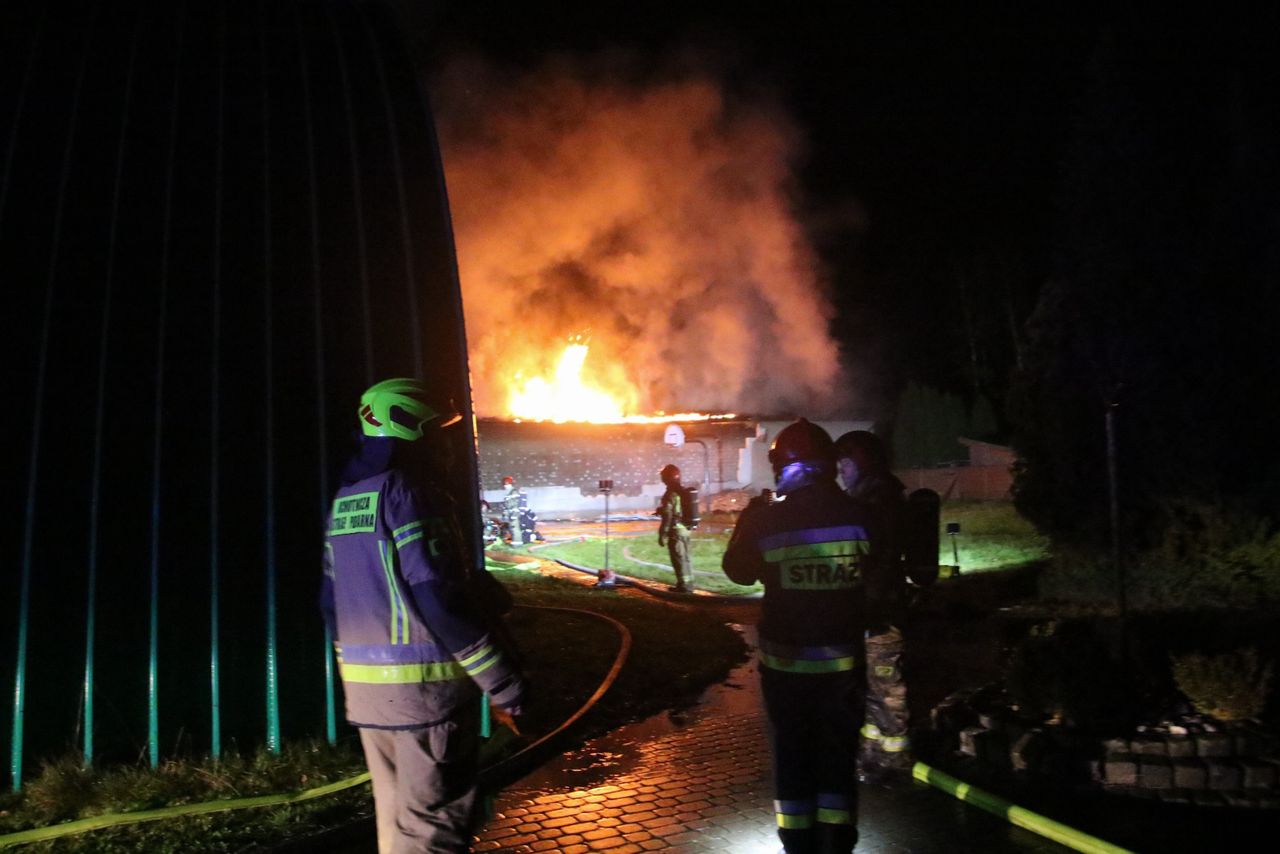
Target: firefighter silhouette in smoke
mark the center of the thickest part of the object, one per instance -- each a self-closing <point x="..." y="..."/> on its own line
<point x="416" y="645"/>
<point x="863" y="463"/>
<point x="815" y="551"/>
<point x="677" y="511"/>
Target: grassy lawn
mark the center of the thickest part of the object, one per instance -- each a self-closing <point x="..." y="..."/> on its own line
<point x="677" y="651"/>
<point x="626" y="554"/>
<point x="992" y="536"/>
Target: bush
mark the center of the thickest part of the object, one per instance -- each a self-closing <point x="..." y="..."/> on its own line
<point x="1230" y="687"/>
<point x="1067" y="671"/>
<point x="1208" y="557"/>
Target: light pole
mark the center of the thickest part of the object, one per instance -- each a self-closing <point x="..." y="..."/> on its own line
<point x="606" y="486"/>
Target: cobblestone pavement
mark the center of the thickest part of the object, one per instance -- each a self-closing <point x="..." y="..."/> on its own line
<point x="701" y="781"/>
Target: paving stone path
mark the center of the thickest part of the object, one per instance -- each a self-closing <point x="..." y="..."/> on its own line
<point x="701" y="781"/>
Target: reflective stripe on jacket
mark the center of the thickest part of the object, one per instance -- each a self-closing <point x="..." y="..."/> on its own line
<point x="814" y="554"/>
<point x="410" y="649"/>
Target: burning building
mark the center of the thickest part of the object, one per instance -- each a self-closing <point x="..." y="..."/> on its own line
<point x="559" y="466"/>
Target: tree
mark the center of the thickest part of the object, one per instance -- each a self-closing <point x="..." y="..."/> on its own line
<point x="1168" y="219"/>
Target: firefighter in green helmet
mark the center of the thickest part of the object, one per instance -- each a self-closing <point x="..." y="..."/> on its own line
<point x="415" y="651"/>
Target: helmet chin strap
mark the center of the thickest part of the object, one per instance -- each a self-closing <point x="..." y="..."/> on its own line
<point x="799" y="475"/>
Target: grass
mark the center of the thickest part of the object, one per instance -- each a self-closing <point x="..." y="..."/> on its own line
<point x="64" y="790"/>
<point x="705" y="549"/>
<point x="992" y="536"/>
<point x="677" y="651"/>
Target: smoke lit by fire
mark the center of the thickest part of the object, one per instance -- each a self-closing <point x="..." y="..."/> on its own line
<point x="655" y="219"/>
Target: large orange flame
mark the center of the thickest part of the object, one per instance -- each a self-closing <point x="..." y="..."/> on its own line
<point x="566" y="396"/>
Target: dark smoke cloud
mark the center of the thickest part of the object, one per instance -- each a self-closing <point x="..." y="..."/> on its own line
<point x="654" y="217"/>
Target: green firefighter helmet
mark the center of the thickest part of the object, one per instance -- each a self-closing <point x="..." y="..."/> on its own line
<point x="399" y="408"/>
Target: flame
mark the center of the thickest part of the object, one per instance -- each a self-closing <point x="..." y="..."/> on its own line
<point x="565" y="396"/>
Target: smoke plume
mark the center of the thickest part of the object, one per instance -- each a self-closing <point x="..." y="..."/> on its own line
<point x="654" y="218"/>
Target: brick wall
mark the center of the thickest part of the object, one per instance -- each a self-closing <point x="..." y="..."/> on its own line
<point x="971" y="483"/>
<point x="560" y="465"/>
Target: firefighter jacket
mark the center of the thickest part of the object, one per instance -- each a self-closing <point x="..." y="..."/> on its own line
<point x="814" y="552"/>
<point x="514" y="504"/>
<point x="672" y="512"/>
<point x="412" y="648"/>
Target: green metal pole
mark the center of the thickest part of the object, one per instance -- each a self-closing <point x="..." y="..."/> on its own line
<point x="215" y="583"/>
<point x="24" y="593"/>
<point x="20" y="669"/>
<point x="153" y="663"/>
<point x="330" y="705"/>
<point x="273" y="686"/>
<point x="91" y="593"/>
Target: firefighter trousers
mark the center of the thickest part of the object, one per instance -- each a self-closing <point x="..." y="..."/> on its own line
<point x="813" y="729"/>
<point x="885" y="743"/>
<point x="424" y="784"/>
<point x="678" y="549"/>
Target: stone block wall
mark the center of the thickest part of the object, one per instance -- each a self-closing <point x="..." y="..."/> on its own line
<point x="560" y="466"/>
<point x="1239" y="767"/>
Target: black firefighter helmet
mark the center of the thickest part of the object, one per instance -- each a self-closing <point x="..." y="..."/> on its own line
<point x="670" y="475"/>
<point x="803" y="442"/>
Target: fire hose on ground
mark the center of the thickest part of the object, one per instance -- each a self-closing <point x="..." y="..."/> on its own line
<point x="649" y="588"/>
<point x="488" y="773"/>
<point x="1076" y="840"/>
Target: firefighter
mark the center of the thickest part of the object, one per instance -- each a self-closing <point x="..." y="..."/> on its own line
<point x="513" y="501"/>
<point x="672" y="531"/>
<point x="813" y="549"/>
<point x="863" y="462"/>
<point x="414" y="650"/>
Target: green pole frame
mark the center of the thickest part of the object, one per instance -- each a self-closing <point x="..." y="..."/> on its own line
<point x="153" y="661"/>
<point x="24" y="594"/>
<point x="273" y="684"/>
<point x="215" y="380"/>
<point x="91" y="592"/>
<point x="330" y="705"/>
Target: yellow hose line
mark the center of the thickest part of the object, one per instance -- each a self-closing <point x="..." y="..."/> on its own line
<point x="120" y="819"/>
<point x="117" y="819"/>
<point x="1076" y="840"/>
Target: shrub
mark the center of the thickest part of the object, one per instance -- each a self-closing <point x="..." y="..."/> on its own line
<point x="1067" y="671"/>
<point x="1230" y="687"/>
<point x="1209" y="557"/>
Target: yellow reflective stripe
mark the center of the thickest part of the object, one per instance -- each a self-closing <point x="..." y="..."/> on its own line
<point x="482" y="668"/>
<point x="801" y="665"/>
<point x="391" y="587"/>
<point x="397" y="601"/>
<point x="410" y="539"/>
<point x="794" y="822"/>
<point x="398" y="531"/>
<point x="830" y="816"/>
<point x="401" y="674"/>
<point x="871" y="731"/>
<point x="476" y="656"/>
<point x="839" y="548"/>
<point x="893" y="743"/>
